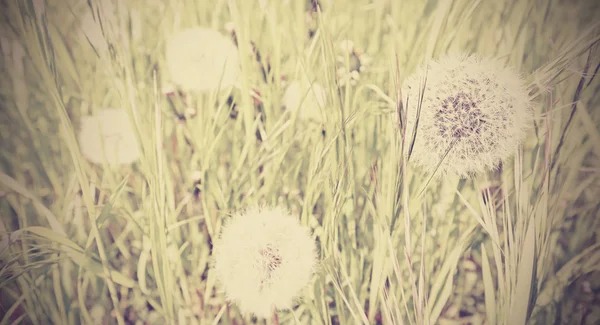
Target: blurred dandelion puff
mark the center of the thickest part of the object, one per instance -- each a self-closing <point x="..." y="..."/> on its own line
<point x="308" y="99"/>
<point x="346" y="46"/>
<point x="263" y="259"/>
<point x="474" y="114"/>
<point x="202" y="59"/>
<point x="108" y="134"/>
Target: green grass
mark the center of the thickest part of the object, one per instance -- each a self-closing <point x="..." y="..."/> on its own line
<point x="132" y="244"/>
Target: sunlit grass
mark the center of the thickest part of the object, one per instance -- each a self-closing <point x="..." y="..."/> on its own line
<point x="95" y="243"/>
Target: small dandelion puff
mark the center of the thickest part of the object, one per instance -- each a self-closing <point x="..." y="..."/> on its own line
<point x="196" y="176"/>
<point x="347" y="46"/>
<point x="98" y="313"/>
<point x="108" y="134"/>
<point x="308" y="99"/>
<point x="202" y="59"/>
<point x="474" y="114"/>
<point x="263" y="259"/>
<point x="190" y="112"/>
<point x="229" y="27"/>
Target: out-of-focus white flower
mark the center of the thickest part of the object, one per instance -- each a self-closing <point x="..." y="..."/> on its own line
<point x="365" y="61"/>
<point x="352" y="77"/>
<point x="154" y="318"/>
<point x="173" y="254"/>
<point x="108" y="134"/>
<point x="309" y="99"/>
<point x="472" y="106"/>
<point x="202" y="59"/>
<point x="97" y="313"/>
<point x="190" y="112"/>
<point x="347" y="46"/>
<point x="168" y="89"/>
<point x="351" y="62"/>
<point x="263" y="259"/>
<point x="229" y="27"/>
<point x="196" y="176"/>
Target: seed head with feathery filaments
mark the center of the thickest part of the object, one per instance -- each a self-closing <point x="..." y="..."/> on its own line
<point x="474" y="113"/>
<point x="108" y="134"/>
<point x="308" y="98"/>
<point x="202" y="59"/>
<point x="263" y="259"/>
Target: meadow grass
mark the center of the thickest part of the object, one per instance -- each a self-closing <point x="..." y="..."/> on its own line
<point x="90" y="244"/>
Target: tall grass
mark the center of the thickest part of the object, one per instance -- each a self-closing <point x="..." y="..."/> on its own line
<point x="83" y="243"/>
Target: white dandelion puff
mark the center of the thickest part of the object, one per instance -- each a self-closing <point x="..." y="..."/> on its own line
<point x="308" y="99"/>
<point x="474" y="114"/>
<point x="347" y="46"/>
<point x="202" y="59"/>
<point x="98" y="312"/>
<point x="108" y="134"/>
<point x="229" y="27"/>
<point x="196" y="176"/>
<point x="263" y="259"/>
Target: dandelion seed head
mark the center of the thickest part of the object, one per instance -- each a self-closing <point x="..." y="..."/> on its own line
<point x="98" y="312"/>
<point x="308" y="98"/>
<point x="229" y="26"/>
<point x="108" y="133"/>
<point x="263" y="259"/>
<point x="202" y="59"/>
<point x="346" y="46"/>
<point x="474" y="105"/>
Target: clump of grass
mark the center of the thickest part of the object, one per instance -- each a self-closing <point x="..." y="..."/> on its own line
<point x="83" y="243"/>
